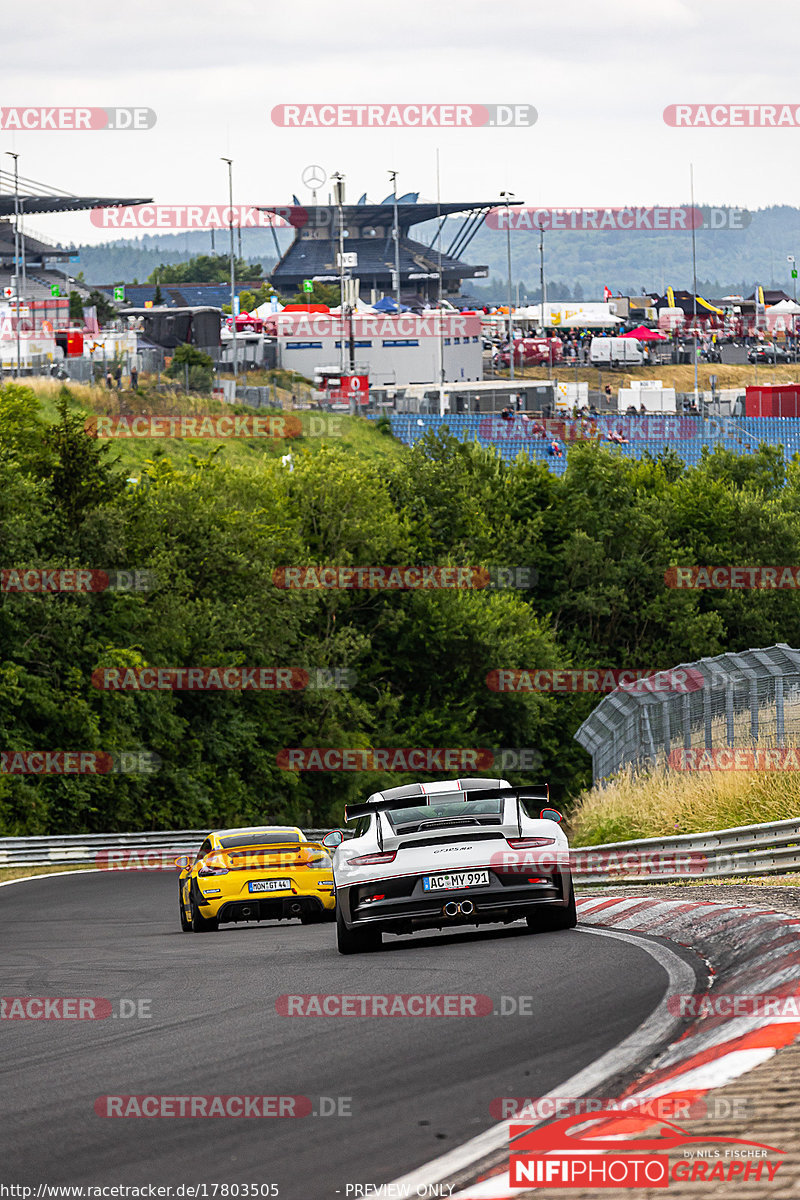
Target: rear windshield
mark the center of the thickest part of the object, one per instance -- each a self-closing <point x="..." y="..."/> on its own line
<point x="446" y="812"/>
<point x="266" y="838"/>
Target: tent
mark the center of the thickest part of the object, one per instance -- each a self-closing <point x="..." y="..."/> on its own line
<point x="359" y="307"/>
<point x="643" y="334"/>
<point x="387" y="305"/>
<point x="785" y="307"/>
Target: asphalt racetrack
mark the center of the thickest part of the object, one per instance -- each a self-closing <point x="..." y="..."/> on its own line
<point x="402" y="1090"/>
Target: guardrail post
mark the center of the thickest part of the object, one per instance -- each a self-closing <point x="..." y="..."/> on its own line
<point x="779" y="717"/>
<point x="687" y="721"/>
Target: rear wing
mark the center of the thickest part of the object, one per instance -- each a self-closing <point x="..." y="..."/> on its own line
<point x="535" y="795"/>
<point x="252" y="855"/>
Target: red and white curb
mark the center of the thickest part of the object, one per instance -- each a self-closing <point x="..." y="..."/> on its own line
<point x="750" y="952"/>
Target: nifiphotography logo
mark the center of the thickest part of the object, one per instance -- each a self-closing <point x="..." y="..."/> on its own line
<point x="583" y="1150"/>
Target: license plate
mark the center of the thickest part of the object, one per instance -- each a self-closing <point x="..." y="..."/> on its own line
<point x="270" y="885"/>
<point x="454" y="880"/>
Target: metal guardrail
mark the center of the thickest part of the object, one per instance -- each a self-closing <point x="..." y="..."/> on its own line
<point x="88" y="849"/>
<point x="768" y="849"/>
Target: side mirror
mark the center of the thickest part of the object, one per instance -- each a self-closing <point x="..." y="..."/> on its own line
<point x="550" y="814"/>
<point x="183" y="861"/>
<point x="333" y="839"/>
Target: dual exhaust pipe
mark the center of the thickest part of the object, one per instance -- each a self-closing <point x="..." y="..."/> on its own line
<point x="465" y="909"/>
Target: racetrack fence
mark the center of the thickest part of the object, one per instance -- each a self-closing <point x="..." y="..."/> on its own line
<point x="749" y="700"/>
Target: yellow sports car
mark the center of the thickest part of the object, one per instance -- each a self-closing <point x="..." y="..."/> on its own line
<point x="270" y="872"/>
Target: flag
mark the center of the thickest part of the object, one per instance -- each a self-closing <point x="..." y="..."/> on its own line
<point x="606" y="294"/>
<point x="670" y="298"/>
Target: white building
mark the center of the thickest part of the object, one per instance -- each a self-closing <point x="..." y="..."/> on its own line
<point x="397" y="350"/>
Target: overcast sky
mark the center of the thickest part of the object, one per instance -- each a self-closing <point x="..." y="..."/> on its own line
<point x="599" y="72"/>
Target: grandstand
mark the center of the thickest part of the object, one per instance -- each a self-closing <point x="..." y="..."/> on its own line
<point x="740" y="435"/>
<point x="39" y="252"/>
<point x="369" y="230"/>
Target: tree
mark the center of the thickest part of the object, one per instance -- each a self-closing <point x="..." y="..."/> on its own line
<point x="200" y="366"/>
<point x="205" y="268"/>
<point x="75" y="308"/>
<point x="323" y="293"/>
<point x="81" y="477"/>
<point x="106" y="312"/>
<point x="157" y="297"/>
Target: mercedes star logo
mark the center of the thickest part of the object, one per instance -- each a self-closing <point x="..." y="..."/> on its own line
<point x="314" y="177"/>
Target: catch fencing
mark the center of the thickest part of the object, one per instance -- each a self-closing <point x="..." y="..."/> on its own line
<point x="750" y="700"/>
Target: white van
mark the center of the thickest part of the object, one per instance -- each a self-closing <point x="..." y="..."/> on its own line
<point x="616" y="351"/>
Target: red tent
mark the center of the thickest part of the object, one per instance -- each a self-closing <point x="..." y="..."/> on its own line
<point x="317" y="308"/>
<point x="643" y="334"/>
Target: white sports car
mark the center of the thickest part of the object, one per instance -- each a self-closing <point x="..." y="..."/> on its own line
<point x="457" y="852"/>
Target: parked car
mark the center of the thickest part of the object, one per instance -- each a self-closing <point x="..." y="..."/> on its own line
<point x="455" y="852"/>
<point x="767" y="352"/>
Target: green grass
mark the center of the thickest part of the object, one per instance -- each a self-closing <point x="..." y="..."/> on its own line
<point x="356" y="435"/>
<point x="24" y="872"/>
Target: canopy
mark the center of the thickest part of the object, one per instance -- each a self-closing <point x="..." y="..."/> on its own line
<point x="387" y="305"/>
<point x="318" y="308"/>
<point x="643" y="334"/>
<point x="785" y="306"/>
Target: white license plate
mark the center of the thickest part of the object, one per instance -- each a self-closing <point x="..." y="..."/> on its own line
<point x="270" y="885"/>
<point x="454" y="880"/>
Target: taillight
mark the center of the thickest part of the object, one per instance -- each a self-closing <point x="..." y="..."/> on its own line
<point x="370" y="860"/>
<point x="213" y="866"/>
<point x="529" y="843"/>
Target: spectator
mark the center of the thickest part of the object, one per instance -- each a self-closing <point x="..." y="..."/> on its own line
<point x="554" y="450"/>
<point x="607" y="391"/>
<point x="109" y="378"/>
<point x="506" y="414"/>
<point x="134" y="378"/>
<point x="642" y="409"/>
<point x="118" y="375"/>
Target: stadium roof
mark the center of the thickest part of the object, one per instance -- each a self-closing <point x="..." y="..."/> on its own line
<point x="39" y="198"/>
<point x="316" y="215"/>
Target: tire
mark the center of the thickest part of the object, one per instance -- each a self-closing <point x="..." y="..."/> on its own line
<point x="553" y="918"/>
<point x="186" y="924"/>
<point x="201" y="924"/>
<point x="356" y="941"/>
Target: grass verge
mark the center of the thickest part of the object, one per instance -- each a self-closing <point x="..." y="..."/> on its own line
<point x="662" y="803"/>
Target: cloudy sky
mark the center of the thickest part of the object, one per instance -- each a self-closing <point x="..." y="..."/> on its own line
<point x="600" y="75"/>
